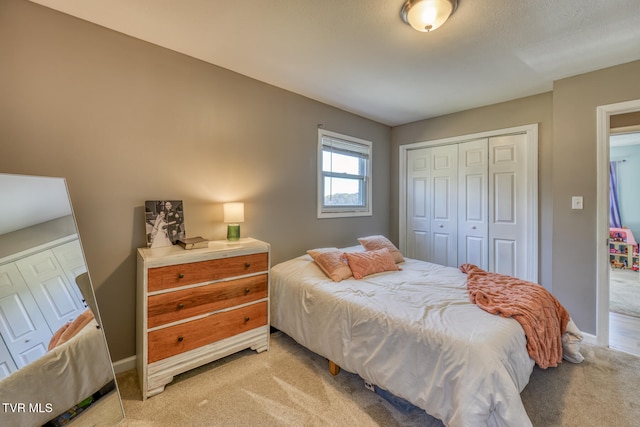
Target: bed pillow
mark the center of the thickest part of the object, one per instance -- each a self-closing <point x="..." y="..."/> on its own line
<point x="571" y="343"/>
<point x="365" y="263"/>
<point x="332" y="262"/>
<point x="373" y="243"/>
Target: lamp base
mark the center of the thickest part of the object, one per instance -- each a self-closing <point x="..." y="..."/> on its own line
<point x="233" y="232"/>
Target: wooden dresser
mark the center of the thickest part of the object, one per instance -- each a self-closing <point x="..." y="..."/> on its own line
<point x="196" y="306"/>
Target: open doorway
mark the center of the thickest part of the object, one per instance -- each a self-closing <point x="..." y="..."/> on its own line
<point x="618" y="324"/>
<point x="624" y="220"/>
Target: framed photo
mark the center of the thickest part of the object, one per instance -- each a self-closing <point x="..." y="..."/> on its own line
<point x="164" y="222"/>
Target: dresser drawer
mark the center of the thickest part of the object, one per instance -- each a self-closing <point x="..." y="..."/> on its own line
<point x="173" y="276"/>
<point x="187" y="336"/>
<point x="178" y="305"/>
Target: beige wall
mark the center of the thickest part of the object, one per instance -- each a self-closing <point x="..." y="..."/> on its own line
<point x="575" y="101"/>
<point x="40" y="234"/>
<point x="125" y="121"/>
<point x="524" y="111"/>
<point x="567" y="167"/>
<point x="625" y="120"/>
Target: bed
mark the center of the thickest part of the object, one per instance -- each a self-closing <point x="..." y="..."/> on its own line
<point x="68" y="373"/>
<point x="413" y="333"/>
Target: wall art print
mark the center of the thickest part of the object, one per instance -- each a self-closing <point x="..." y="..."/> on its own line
<point x="164" y="222"/>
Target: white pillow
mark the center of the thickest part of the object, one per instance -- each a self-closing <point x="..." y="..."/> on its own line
<point x="571" y="343"/>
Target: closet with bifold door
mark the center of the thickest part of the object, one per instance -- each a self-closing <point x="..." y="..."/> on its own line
<point x="473" y="201"/>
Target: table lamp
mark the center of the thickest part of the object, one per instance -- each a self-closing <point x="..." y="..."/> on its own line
<point x="233" y="215"/>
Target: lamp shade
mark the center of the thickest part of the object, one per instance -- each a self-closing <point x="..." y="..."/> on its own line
<point x="233" y="212"/>
<point x="427" y="15"/>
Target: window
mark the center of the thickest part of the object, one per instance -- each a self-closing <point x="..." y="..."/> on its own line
<point x="344" y="175"/>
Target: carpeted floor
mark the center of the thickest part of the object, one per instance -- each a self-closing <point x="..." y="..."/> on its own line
<point x="291" y="386"/>
<point x="624" y="292"/>
<point x="601" y="391"/>
<point x="285" y="386"/>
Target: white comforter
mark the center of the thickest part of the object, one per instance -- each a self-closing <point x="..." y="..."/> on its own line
<point x="413" y="333"/>
<point x="57" y="381"/>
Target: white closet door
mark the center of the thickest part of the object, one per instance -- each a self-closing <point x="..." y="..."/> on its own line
<point x="485" y="214"/>
<point x="418" y="205"/>
<point x="71" y="259"/>
<point x="473" y="227"/>
<point x="7" y="365"/>
<point x="508" y="207"/>
<point x="50" y="288"/>
<point x="444" y="207"/>
<point x="24" y="330"/>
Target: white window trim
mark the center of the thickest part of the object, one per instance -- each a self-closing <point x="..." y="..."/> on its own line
<point x="344" y="211"/>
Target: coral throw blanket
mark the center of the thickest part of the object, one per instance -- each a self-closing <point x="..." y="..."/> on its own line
<point x="542" y="317"/>
<point x="70" y="329"/>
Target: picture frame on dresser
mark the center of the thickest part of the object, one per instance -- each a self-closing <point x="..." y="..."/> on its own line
<point x="164" y="222"/>
<point x="200" y="305"/>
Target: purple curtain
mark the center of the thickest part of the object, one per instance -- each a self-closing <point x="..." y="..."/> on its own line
<point x="614" y="209"/>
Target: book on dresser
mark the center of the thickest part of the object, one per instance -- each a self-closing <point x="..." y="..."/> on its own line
<point x="194" y="307"/>
<point x="193" y="243"/>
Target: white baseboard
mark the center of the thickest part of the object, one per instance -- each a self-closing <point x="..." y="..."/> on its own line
<point x="124" y="365"/>
<point x="589" y="339"/>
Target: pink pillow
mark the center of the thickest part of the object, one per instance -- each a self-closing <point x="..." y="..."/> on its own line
<point x="365" y="263"/>
<point x="332" y="262"/>
<point x="373" y="243"/>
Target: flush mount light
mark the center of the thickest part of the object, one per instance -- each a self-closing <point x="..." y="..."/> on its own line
<point x="427" y="15"/>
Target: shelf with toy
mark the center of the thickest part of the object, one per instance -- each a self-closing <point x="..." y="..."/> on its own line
<point x="623" y="249"/>
<point x="621" y="254"/>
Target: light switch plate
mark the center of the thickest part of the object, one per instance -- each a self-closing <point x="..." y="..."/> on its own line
<point x="576" y="202"/>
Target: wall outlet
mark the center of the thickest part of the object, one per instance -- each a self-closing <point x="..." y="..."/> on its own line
<point x="577" y="202"/>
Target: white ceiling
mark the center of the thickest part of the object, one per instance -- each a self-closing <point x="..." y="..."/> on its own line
<point x="358" y="55"/>
<point x="28" y="200"/>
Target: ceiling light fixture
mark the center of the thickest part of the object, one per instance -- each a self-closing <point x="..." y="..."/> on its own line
<point x="427" y="15"/>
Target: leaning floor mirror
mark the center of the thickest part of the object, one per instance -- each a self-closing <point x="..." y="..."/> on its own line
<point x="55" y="367"/>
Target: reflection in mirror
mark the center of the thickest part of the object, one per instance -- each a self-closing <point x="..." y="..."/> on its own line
<point x="55" y="367"/>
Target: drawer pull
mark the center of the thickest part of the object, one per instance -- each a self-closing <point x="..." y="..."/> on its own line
<point x="180" y="339"/>
<point x="180" y="306"/>
<point x="247" y="290"/>
<point x="246" y="319"/>
<point x="181" y="276"/>
<point x="247" y="264"/>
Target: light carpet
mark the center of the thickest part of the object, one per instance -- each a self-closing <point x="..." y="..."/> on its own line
<point x="291" y="386"/>
<point x="624" y="292"/>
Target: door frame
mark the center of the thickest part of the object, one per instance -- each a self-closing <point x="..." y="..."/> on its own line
<point x="604" y="112"/>
<point x="532" y="177"/>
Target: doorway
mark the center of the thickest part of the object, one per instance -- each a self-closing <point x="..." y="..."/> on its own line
<point x="624" y="282"/>
<point x="620" y="332"/>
